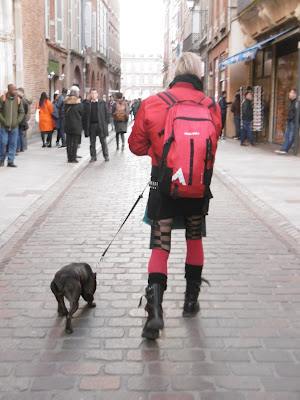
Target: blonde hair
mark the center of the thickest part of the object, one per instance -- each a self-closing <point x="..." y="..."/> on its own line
<point x="188" y="63"/>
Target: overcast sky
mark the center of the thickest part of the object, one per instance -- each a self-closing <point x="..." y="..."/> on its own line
<point x="142" y="26"/>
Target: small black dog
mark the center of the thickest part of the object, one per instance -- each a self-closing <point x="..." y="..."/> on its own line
<point x="71" y="281"/>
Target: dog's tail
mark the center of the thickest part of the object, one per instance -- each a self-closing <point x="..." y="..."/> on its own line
<point x="57" y="285"/>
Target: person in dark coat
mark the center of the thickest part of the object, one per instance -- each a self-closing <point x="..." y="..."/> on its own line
<point x="23" y="125"/>
<point x="236" y="110"/>
<point x="55" y="115"/>
<point x="95" y="123"/>
<point x="61" y="111"/>
<point x="120" y="126"/>
<point x="73" y="122"/>
<point x="247" y="118"/>
<point x="289" y="136"/>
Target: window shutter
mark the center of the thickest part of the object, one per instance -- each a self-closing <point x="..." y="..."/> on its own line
<point x="88" y="24"/>
<point x="94" y="32"/>
<point x="59" y="28"/>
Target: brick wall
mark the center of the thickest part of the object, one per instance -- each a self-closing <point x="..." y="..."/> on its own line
<point x="35" y="60"/>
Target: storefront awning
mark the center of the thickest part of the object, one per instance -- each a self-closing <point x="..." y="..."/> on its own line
<point x="250" y="52"/>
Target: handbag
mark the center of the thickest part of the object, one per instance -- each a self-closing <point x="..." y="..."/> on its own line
<point x="37" y="115"/>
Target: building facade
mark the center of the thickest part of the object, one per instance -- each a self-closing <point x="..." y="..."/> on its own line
<point x="50" y="44"/>
<point x="218" y="30"/>
<point x="141" y="75"/>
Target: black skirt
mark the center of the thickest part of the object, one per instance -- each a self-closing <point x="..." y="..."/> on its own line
<point x="162" y="206"/>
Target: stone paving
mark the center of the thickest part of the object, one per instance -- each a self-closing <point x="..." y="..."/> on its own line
<point x="243" y="345"/>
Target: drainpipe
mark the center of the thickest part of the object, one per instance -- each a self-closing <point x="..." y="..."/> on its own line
<point x="108" y="43"/>
<point x="83" y="46"/>
<point x="296" y="143"/>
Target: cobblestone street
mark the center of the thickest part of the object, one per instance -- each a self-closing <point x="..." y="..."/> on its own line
<point x="243" y="345"/>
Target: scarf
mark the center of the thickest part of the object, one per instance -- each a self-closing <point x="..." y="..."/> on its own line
<point x="188" y="78"/>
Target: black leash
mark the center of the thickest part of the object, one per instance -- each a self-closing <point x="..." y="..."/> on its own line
<point x="133" y="207"/>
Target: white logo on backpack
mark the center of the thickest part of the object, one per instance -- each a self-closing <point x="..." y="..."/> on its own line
<point x="179" y="176"/>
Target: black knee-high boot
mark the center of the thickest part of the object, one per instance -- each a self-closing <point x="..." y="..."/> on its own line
<point x="154" y="295"/>
<point x="193" y="282"/>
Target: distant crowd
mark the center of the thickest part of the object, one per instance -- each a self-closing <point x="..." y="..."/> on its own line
<point x="67" y="116"/>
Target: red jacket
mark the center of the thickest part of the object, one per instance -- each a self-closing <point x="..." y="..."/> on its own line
<point x="151" y="117"/>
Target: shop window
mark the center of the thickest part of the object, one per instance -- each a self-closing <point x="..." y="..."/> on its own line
<point x="267" y="62"/>
<point x="263" y="63"/>
<point x="259" y="64"/>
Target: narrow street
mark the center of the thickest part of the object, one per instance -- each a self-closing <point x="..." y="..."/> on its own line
<point x="243" y="345"/>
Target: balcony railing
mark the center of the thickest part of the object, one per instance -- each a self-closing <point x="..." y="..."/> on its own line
<point x="191" y="43"/>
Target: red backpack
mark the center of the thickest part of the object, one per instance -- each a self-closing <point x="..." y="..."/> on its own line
<point x="186" y="167"/>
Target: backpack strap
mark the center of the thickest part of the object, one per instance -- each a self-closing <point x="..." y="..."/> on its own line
<point x="168" y="98"/>
<point x="208" y="102"/>
<point x="165" y="99"/>
<point x="4" y="98"/>
<point x="172" y="96"/>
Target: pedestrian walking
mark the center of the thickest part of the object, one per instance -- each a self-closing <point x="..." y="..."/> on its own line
<point x="223" y="105"/>
<point x="120" y="111"/>
<point x="247" y="118"/>
<point x="95" y="123"/>
<point x="23" y="126"/>
<point x="73" y="123"/>
<point x="55" y="115"/>
<point x="148" y="138"/>
<point x="46" y="122"/>
<point x="29" y="100"/>
<point x="289" y="135"/>
<point x="236" y="110"/>
<point x="135" y="107"/>
<point x="11" y="115"/>
<point x="111" y="102"/>
<point x="61" y="112"/>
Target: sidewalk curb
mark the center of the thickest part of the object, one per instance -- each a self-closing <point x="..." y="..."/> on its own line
<point x="272" y="219"/>
<point x="14" y="237"/>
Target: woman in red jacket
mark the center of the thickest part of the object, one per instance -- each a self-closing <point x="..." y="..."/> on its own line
<point x="147" y="138"/>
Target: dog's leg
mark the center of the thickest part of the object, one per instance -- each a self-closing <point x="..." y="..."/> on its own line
<point x="73" y="308"/>
<point x="61" y="309"/>
<point x="89" y="298"/>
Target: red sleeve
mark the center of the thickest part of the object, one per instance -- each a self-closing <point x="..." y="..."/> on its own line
<point x="139" y="141"/>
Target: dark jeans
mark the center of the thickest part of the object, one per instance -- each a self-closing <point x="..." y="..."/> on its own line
<point x="49" y="137"/>
<point x="94" y="132"/>
<point x="72" y="144"/>
<point x="20" y="144"/>
<point x="289" y="136"/>
<point x="122" y="138"/>
<point x="10" y="138"/>
<point x="246" y="132"/>
<point x="237" y="121"/>
<point x="62" y="134"/>
<point x="223" y="120"/>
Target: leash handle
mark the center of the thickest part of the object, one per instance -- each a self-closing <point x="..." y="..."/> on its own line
<point x="132" y="208"/>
